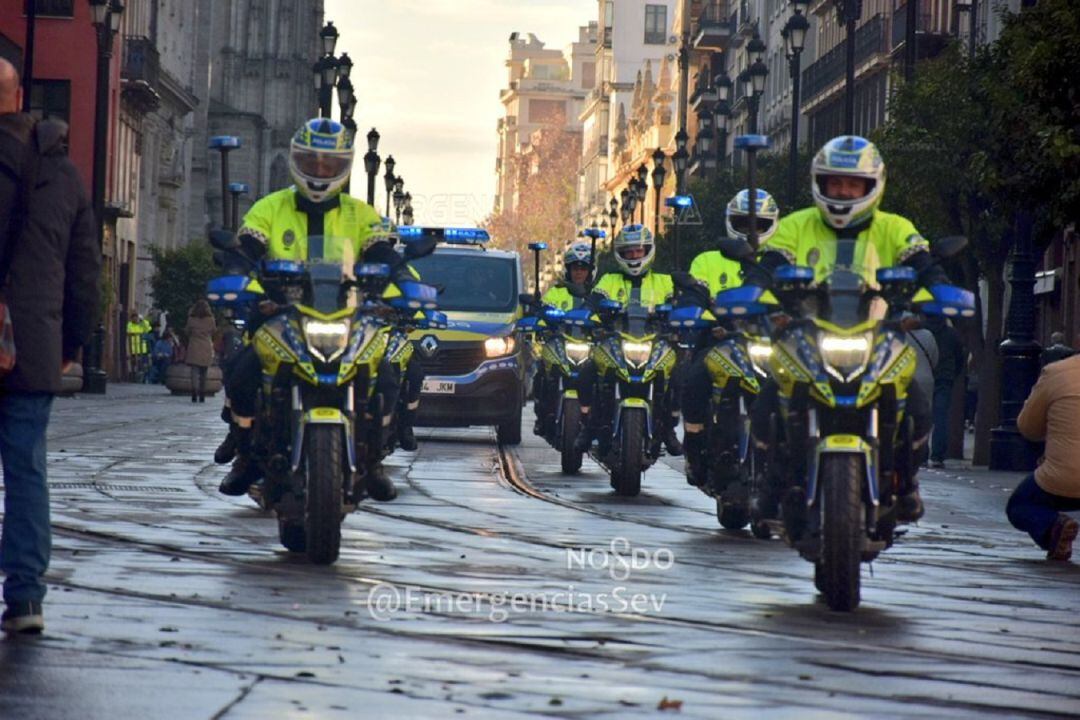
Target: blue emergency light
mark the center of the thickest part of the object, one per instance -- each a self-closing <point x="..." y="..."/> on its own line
<point x="224" y="142"/>
<point x="752" y="142"/>
<point x="451" y="236"/>
<point x="679" y="201"/>
<point x="594" y="233"/>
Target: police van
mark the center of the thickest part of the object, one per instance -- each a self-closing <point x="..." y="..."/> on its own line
<point x="475" y="367"/>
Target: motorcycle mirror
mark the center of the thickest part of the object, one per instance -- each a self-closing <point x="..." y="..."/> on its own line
<point x="736" y="249"/>
<point x="527" y="299"/>
<point x="948" y="247"/>
<point x="683" y="280"/>
<point x="224" y="239"/>
<point x="420" y="247"/>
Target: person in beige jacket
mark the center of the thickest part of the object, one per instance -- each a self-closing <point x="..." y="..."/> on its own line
<point x="200" y="347"/>
<point x="1039" y="503"/>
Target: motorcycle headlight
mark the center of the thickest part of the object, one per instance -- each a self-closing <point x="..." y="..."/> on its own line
<point x="577" y="352"/>
<point x="845" y="357"/>
<point x="326" y="340"/>
<point x="636" y="353"/>
<point x="760" y="353"/>
<point x="499" y="346"/>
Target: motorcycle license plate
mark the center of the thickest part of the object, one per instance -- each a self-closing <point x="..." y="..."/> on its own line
<point x="439" y="387"/>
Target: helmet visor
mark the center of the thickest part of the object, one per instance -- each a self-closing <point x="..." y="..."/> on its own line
<point x="741" y="224"/>
<point x="321" y="166"/>
<point x="845" y="188"/>
<point x="633" y="252"/>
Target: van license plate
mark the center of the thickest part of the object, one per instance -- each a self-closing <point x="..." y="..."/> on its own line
<point x="439" y="387"/>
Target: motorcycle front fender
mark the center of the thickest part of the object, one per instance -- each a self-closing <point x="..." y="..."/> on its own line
<point x="627" y="403"/>
<point x="843" y="445"/>
<point x="324" y="416"/>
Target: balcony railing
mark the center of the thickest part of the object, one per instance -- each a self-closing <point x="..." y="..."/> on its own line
<point x="923" y="25"/>
<point x="141" y="60"/>
<point x="870" y="40"/>
<point x="715" y="28"/>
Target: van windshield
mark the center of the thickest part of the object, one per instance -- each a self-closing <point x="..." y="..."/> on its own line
<point x="471" y="283"/>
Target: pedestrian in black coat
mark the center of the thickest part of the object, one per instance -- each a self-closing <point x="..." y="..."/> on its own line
<point x="47" y="240"/>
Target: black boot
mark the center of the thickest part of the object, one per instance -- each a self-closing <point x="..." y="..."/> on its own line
<point x="379" y="486"/>
<point x="244" y="471"/>
<point x="671" y="438"/>
<point x="406" y="436"/>
<point x="697" y="470"/>
<point x="583" y="441"/>
<point x="226" y="451"/>
<point x="909" y="505"/>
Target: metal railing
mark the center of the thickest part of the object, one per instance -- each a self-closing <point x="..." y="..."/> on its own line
<point x="829" y="68"/>
<point x="141" y="60"/>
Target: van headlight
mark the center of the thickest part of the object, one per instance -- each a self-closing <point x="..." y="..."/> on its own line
<point x="499" y="346"/>
<point x="636" y="353"/>
<point x="845" y="357"/>
<point x="760" y="354"/>
<point x="326" y="340"/>
<point x="577" y="352"/>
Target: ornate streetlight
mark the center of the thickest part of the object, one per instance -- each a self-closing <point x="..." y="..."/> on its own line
<point x="659" y="174"/>
<point x="794" y="41"/>
<point x="389" y="180"/>
<point x="372" y="162"/>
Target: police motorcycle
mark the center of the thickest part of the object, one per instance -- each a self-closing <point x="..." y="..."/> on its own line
<point x="631" y="352"/>
<point x="562" y="343"/>
<point x="737" y="354"/>
<point x="318" y="426"/>
<point x="842" y="433"/>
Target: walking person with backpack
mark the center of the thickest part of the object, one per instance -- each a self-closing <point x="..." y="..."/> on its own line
<point x="49" y="267"/>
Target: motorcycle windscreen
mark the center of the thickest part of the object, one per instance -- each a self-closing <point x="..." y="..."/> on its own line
<point x="845" y="303"/>
<point x="330" y="260"/>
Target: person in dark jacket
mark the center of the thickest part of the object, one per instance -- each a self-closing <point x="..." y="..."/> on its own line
<point x="1058" y="350"/>
<point x="949" y="369"/>
<point x="47" y="235"/>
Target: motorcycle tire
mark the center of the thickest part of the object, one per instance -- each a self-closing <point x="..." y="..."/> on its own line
<point x="323" y="500"/>
<point x="292" y="536"/>
<point x="571" y="423"/>
<point x="509" y="432"/>
<point x="627" y="478"/>
<point x="842" y="530"/>
<point x="732" y="517"/>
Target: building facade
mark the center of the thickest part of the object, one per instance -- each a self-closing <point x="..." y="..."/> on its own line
<point x="546" y="88"/>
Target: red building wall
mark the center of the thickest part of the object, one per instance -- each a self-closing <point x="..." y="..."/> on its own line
<point x="66" y="49"/>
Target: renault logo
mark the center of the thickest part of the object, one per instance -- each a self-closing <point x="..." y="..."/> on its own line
<point x="429" y="345"/>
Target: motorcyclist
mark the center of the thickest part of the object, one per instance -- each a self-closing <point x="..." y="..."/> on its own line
<point x="634" y="250"/>
<point x="278" y="227"/>
<point x="848" y="182"/>
<point x="578" y="267"/>
<point x="718" y="273"/>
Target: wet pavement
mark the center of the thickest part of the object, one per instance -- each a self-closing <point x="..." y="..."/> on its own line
<point x="496" y="587"/>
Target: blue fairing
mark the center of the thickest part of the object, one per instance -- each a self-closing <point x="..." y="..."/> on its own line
<point x="742" y="300"/>
<point x="230" y="290"/>
<point x="895" y="274"/>
<point x="283" y="267"/>
<point x="579" y="318"/>
<point x="687" y="317"/>
<point x="372" y="270"/>
<point x="415" y="296"/>
<point x="553" y="315"/>
<point x="433" y="320"/>
<point x="794" y="273"/>
<point x="528" y="324"/>
<point x="950" y="301"/>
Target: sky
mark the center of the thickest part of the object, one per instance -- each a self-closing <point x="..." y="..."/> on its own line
<point x="427" y="75"/>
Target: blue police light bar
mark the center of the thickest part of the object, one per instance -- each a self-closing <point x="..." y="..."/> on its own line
<point x="224" y="142"/>
<point x="678" y="201"/>
<point x="538" y="246"/>
<point x="238" y="187"/>
<point x="752" y="142"/>
<point x="594" y="233"/>
<point x="452" y="236"/>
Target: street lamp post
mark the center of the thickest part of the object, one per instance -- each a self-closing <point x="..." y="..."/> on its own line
<point x="679" y="160"/>
<point x="794" y="41"/>
<point x="1019" y="355"/>
<point x="642" y="188"/>
<point x="722" y="111"/>
<point x="372" y="161"/>
<point x="237" y="189"/>
<point x="224" y="144"/>
<point x="613" y="213"/>
<point x="389" y="180"/>
<point x="758" y="73"/>
<point x="106" y="19"/>
<point x="849" y="10"/>
<point x="751" y="144"/>
<point x="407" y="210"/>
<point x="659" y="174"/>
<point x="971" y="7"/>
<point x="399" y="198"/>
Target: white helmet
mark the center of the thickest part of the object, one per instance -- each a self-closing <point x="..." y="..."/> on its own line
<point x="579" y="253"/>
<point x="320" y="159"/>
<point x="737" y="217"/>
<point x="848" y="156"/>
<point x="631" y="237"/>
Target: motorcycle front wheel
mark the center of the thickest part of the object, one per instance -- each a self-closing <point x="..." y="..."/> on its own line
<point x="842" y="531"/>
<point x="323" y="499"/>
<point x="571" y="424"/>
<point x="627" y="475"/>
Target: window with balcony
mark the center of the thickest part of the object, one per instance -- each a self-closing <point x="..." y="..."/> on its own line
<point x="609" y="21"/>
<point x="51" y="99"/>
<point x="656" y="24"/>
<point x="52" y="8"/>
